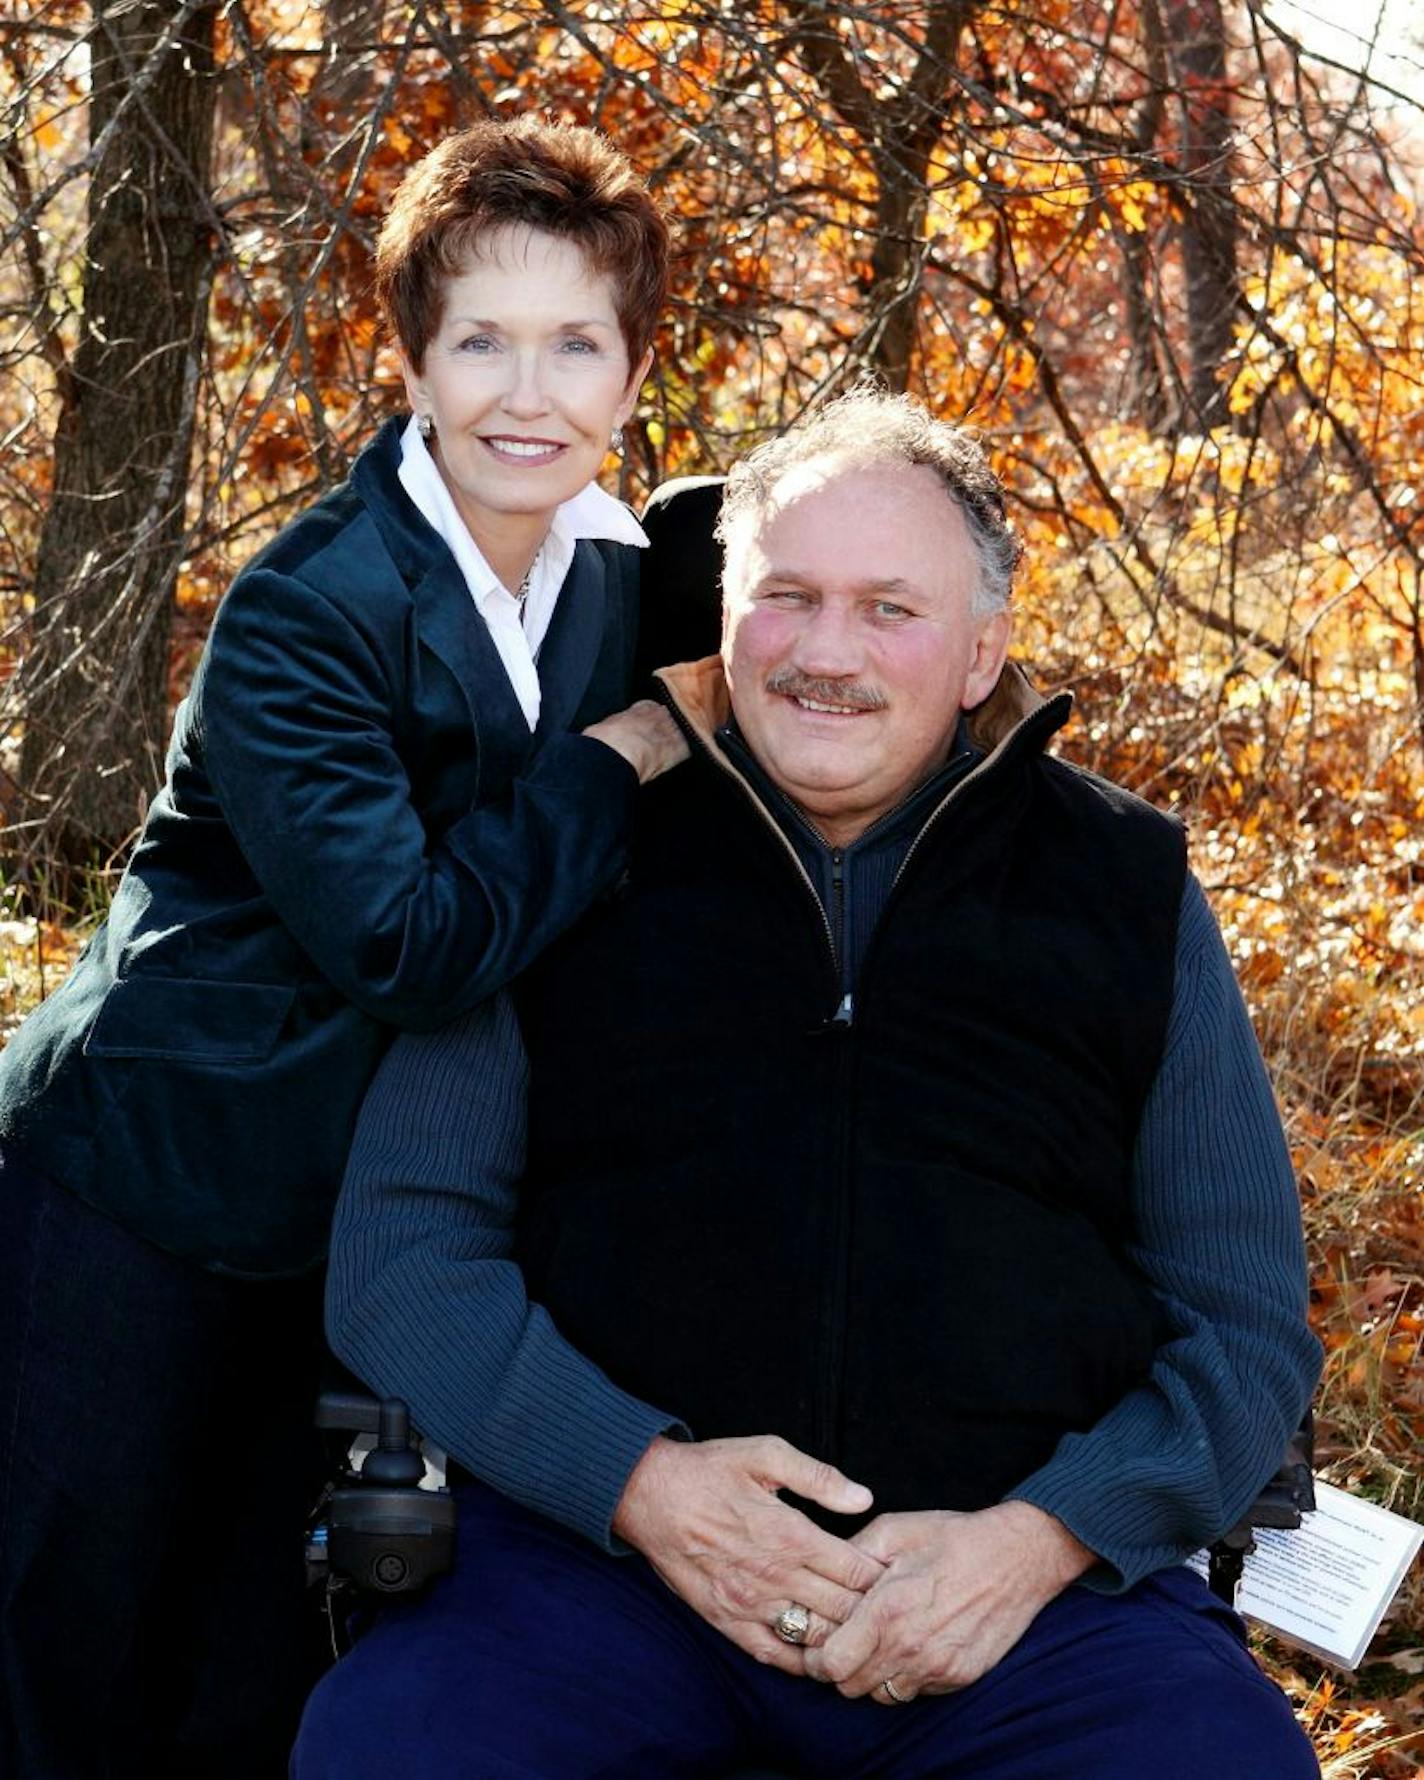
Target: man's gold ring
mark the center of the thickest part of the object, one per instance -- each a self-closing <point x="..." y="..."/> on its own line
<point x="893" y="1692"/>
<point x="792" y="1623"/>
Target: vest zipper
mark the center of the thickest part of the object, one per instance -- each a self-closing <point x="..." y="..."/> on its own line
<point x="825" y="1407"/>
<point x="845" y="1010"/>
<point x="835" y="1299"/>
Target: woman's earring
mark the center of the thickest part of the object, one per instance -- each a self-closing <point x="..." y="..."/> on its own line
<point x="616" y="442"/>
<point x="425" y="426"/>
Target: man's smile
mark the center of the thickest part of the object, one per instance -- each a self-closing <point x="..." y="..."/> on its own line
<point x="813" y="704"/>
<point x="821" y="696"/>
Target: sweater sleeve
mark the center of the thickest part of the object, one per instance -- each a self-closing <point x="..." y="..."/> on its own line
<point x="1218" y="1238"/>
<point x="424" y="1302"/>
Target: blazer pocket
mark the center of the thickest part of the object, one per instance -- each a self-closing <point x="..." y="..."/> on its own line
<point x="190" y="1021"/>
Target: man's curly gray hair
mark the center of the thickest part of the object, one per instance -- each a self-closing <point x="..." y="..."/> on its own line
<point x="867" y="428"/>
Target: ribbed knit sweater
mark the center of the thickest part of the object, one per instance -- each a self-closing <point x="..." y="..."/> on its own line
<point x="425" y="1303"/>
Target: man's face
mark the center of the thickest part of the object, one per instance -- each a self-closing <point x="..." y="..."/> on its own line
<point x="849" y="641"/>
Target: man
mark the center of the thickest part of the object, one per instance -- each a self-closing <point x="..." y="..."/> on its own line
<point x="893" y="1138"/>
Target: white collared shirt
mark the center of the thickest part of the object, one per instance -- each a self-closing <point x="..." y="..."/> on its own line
<point x="517" y="633"/>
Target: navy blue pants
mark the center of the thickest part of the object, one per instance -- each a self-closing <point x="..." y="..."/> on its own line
<point x="155" y="1433"/>
<point x="543" y="1657"/>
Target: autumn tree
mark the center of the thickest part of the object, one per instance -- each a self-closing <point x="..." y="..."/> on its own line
<point x="1196" y="35"/>
<point x="93" y="678"/>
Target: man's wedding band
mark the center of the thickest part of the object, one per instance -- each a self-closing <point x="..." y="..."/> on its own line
<point x="900" y="1699"/>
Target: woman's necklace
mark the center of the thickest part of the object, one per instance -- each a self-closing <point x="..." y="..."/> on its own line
<point x="521" y="593"/>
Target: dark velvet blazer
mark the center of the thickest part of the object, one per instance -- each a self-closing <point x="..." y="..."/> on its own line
<point x="357" y="832"/>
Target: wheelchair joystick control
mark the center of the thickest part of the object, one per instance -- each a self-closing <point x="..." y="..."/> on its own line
<point x="385" y="1533"/>
<point x="393" y="1463"/>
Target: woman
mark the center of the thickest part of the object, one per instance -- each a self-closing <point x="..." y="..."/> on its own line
<point x="395" y="780"/>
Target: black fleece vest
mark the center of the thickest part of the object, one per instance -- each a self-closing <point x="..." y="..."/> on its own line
<point x="899" y="1243"/>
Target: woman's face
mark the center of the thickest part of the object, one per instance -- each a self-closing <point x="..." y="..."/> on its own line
<point x="526" y="377"/>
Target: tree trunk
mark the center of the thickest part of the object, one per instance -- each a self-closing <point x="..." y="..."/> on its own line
<point x="896" y="264"/>
<point x="92" y="684"/>
<point x="1146" y="390"/>
<point x="900" y="136"/>
<point x="1196" y="36"/>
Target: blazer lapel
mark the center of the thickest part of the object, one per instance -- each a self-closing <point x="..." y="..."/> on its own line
<point x="574" y="641"/>
<point x="587" y="626"/>
<point x="452" y="628"/>
<point x="445" y="614"/>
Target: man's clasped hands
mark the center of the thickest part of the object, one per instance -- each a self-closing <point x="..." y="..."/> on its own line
<point x="927" y="1602"/>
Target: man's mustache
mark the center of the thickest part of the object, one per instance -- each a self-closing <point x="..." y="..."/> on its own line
<point x="791" y="684"/>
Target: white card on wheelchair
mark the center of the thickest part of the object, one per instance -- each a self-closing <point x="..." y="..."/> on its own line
<point x="1325" y="1585"/>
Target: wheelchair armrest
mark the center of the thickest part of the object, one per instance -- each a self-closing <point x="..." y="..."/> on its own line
<point x="348" y="1412"/>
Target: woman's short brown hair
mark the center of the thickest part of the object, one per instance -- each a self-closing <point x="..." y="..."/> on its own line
<point x="523" y="172"/>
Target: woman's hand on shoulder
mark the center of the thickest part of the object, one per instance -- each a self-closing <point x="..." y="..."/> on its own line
<point x="645" y="735"/>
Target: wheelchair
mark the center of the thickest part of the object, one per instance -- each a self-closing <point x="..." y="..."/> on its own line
<point x="388" y="1528"/>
